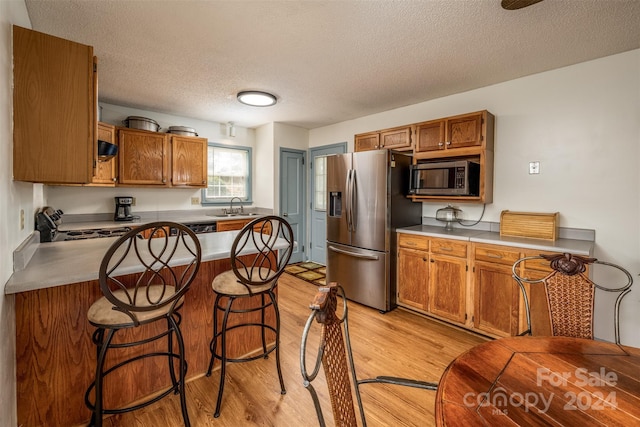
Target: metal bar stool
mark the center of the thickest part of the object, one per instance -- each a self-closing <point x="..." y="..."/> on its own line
<point x="251" y="275"/>
<point x="141" y="286"/>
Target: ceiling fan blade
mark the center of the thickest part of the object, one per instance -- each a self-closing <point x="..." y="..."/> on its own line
<point x="517" y="4"/>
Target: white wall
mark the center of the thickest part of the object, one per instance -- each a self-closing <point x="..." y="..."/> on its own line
<point x="583" y="124"/>
<point x="75" y="200"/>
<point x="286" y="136"/>
<point x="14" y="196"/>
<point x="264" y="168"/>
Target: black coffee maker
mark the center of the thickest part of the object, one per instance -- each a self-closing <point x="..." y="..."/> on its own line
<point x="123" y="209"/>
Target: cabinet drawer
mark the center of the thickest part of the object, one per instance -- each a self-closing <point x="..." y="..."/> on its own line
<point x="496" y="255"/>
<point x="537" y="264"/>
<point x="413" y="241"/>
<point x="449" y="247"/>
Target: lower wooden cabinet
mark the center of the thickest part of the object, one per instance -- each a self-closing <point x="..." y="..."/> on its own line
<point x="470" y="284"/>
<point x="238" y="224"/>
<point x="432" y="282"/>
<point x="448" y="287"/>
<point x="413" y="274"/>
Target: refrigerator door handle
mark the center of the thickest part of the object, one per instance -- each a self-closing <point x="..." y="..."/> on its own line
<point x="353" y="203"/>
<point x="354" y="254"/>
<point x="348" y="200"/>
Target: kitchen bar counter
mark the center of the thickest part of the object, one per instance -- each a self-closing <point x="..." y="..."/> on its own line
<point x="574" y="246"/>
<point x="60" y="263"/>
<point x="55" y="356"/>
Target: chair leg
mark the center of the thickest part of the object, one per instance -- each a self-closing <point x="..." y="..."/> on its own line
<point x="213" y="343"/>
<point x="262" y="329"/>
<point x="275" y="306"/>
<point x="223" y="355"/>
<point x="183" y="369"/>
<point x="102" y="348"/>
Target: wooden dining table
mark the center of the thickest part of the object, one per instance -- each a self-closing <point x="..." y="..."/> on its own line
<point x="531" y="381"/>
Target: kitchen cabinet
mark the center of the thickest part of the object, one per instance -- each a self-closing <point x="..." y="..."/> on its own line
<point x="413" y="272"/>
<point x="431" y="276"/>
<point x="470" y="284"/>
<point x="464" y="137"/>
<point x="238" y="224"/>
<point x="54" y="109"/>
<point x="395" y="138"/>
<point x="106" y="171"/>
<point x="450" y="133"/>
<point x="448" y="279"/>
<point x="188" y="161"/>
<point x="497" y="304"/>
<point x="143" y="158"/>
<point x="155" y="159"/>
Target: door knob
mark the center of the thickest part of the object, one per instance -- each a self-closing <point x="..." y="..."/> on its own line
<point x="284" y="214"/>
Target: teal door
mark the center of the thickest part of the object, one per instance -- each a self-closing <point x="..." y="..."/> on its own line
<point x="292" y="197"/>
<point x="318" y="209"/>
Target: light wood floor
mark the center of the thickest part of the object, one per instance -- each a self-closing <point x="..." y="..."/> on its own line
<point x="397" y="343"/>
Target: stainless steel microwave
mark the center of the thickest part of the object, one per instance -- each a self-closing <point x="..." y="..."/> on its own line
<point x="445" y="178"/>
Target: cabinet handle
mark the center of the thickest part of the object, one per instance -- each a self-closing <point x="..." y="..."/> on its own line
<point x="432" y="260"/>
<point x="448" y="142"/>
<point x="424" y="259"/>
<point x="114" y="179"/>
<point x="164" y="180"/>
<point x="440" y="144"/>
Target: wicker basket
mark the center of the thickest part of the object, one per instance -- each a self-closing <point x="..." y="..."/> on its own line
<point x="529" y="224"/>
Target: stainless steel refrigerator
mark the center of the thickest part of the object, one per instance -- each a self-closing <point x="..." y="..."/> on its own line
<point x="367" y="201"/>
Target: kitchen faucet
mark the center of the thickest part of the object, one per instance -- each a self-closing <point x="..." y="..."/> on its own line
<point x="231" y="211"/>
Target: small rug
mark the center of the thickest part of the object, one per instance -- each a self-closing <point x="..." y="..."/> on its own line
<point x="308" y="271"/>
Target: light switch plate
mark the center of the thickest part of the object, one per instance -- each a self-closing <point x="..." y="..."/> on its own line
<point x="534" y="168"/>
<point x="195" y="200"/>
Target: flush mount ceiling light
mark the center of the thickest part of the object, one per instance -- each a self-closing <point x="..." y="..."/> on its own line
<point x="256" y="98"/>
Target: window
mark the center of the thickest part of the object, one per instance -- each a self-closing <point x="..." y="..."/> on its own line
<point x="320" y="179"/>
<point x="228" y="174"/>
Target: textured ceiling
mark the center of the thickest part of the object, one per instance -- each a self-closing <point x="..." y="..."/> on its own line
<point x="326" y="61"/>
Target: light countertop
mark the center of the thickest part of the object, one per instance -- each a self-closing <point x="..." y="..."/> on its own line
<point x="575" y="246"/>
<point x="61" y="263"/>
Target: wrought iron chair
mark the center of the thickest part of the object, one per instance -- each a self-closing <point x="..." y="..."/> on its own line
<point x="251" y="275"/>
<point x="335" y="355"/>
<point x="141" y="286"/>
<point x="570" y="294"/>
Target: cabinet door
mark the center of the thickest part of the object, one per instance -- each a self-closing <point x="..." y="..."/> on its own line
<point x="188" y="161"/>
<point x="496" y="299"/>
<point x="464" y="131"/>
<point x="367" y="141"/>
<point x="447" y="287"/>
<point x="54" y="109"/>
<point x="412" y="278"/>
<point x="430" y="136"/>
<point x="106" y="171"/>
<point x="396" y="138"/>
<point x="234" y="224"/>
<point x="143" y="158"/>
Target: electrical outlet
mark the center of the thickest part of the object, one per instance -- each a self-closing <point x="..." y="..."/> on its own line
<point x="133" y="201"/>
<point x="195" y="200"/>
<point x="21" y="219"/>
<point x="534" y="168"/>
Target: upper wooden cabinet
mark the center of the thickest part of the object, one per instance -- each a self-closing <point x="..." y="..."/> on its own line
<point x="143" y="158"/>
<point x="158" y="159"/>
<point x="467" y="130"/>
<point x="106" y="171"/>
<point x="188" y="161"/>
<point x="395" y="138"/>
<point x="54" y="109"/>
